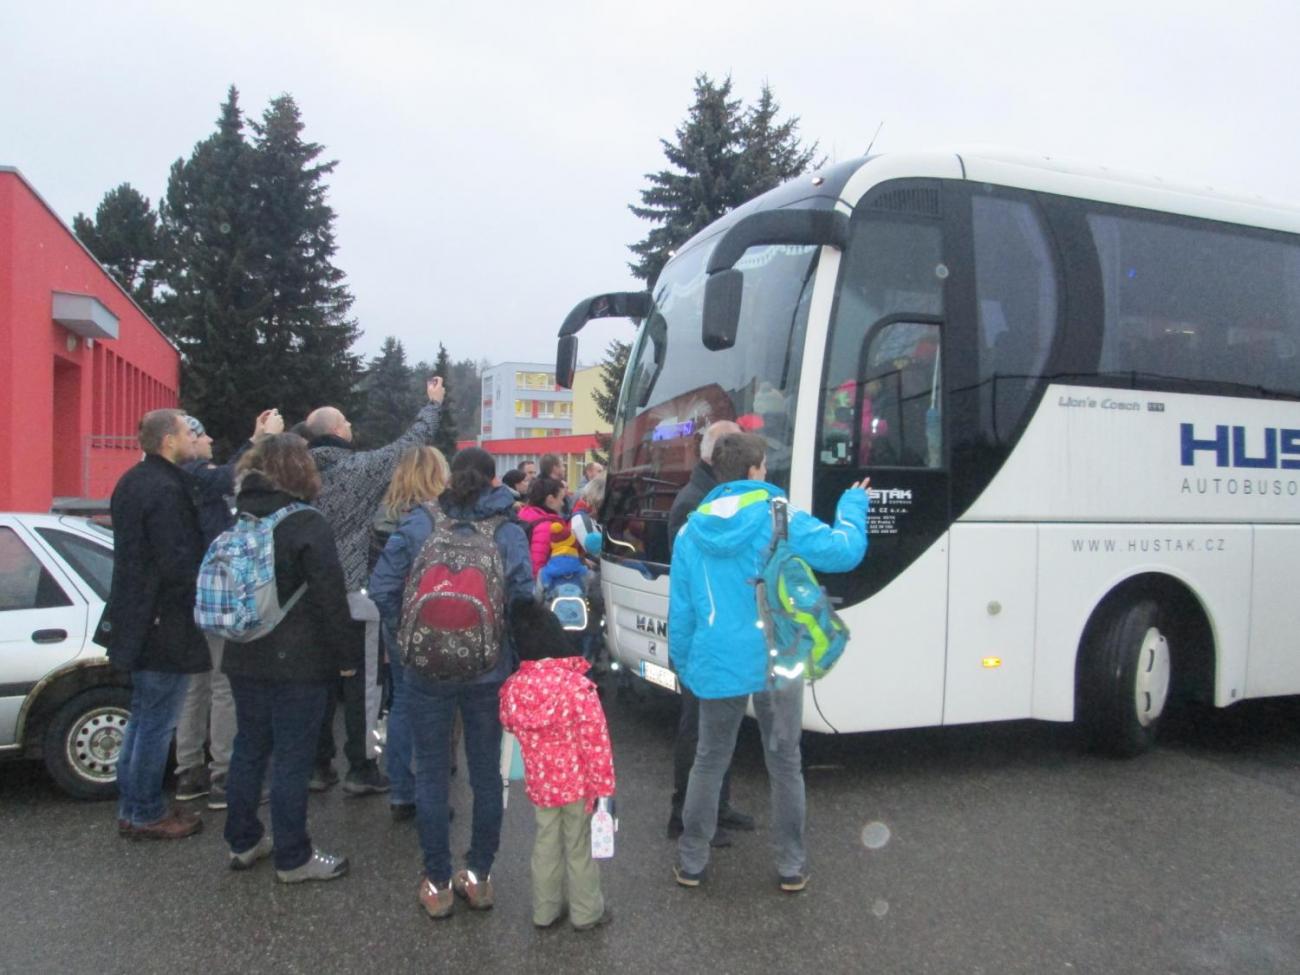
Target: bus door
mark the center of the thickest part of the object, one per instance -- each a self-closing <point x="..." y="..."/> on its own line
<point x="1003" y="328"/>
<point x="882" y="415"/>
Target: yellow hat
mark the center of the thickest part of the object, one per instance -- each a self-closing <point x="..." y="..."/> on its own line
<point x="562" y="540"/>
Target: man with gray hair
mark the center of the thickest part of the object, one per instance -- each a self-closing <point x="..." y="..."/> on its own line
<point x="352" y="484"/>
<point x="208" y="714"/>
<point x="148" y="622"/>
<point x="703" y="480"/>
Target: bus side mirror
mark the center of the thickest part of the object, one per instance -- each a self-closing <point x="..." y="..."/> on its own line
<point x="722" y="296"/>
<point x="618" y="304"/>
<point x="725" y="287"/>
<point x="566" y="361"/>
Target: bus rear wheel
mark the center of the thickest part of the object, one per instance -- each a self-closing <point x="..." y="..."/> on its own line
<point x="1126" y="676"/>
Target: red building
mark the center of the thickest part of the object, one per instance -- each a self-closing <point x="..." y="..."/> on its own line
<point x="80" y="363"/>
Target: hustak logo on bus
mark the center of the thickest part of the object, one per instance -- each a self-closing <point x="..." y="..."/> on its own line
<point x="1279" y="448"/>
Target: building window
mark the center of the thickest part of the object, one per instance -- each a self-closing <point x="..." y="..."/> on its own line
<point x="535" y="380"/>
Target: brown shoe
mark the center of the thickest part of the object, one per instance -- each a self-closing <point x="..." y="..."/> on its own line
<point x="438" y="901"/>
<point x="477" y="893"/>
<point x="176" y="825"/>
<point x="124" y="827"/>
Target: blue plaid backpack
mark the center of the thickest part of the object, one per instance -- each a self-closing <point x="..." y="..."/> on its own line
<point x="805" y="636"/>
<point x="237" y="599"/>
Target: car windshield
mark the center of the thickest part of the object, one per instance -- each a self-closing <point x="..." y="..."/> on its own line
<point x="674" y="388"/>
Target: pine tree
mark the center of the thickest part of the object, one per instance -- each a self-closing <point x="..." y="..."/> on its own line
<point x="707" y="154"/>
<point x="465" y="388"/>
<point x="772" y="152"/>
<point x="612" y="368"/>
<point x="124" y="238"/>
<point x="306" y="333"/>
<point x="214" y="301"/>
<point x="448" y="431"/>
<point x="252" y="298"/>
<point x="723" y="157"/>
<point x="390" y="398"/>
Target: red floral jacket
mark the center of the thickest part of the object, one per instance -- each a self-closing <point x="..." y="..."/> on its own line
<point x="552" y="708"/>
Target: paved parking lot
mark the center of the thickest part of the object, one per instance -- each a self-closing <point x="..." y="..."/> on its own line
<point x="1000" y="848"/>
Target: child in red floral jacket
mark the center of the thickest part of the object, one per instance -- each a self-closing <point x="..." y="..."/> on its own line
<point x="551" y="707"/>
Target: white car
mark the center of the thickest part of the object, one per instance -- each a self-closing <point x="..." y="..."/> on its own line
<point x="59" y="699"/>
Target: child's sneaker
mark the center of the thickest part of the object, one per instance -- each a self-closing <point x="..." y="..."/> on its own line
<point x="686" y="878"/>
<point x="477" y="893"/>
<point x="438" y="901"/>
<point x="606" y="916"/>
<point x="794" y="883"/>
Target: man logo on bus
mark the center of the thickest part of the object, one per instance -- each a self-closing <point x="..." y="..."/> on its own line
<point x="652" y="625"/>
<point x="1281" y="448"/>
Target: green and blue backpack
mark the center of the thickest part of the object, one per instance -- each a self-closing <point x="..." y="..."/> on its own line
<point x="805" y="636"/>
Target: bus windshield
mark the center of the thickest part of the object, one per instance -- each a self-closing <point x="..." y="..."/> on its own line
<point x="674" y="388"/>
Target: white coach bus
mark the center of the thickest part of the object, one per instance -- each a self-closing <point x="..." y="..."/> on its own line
<point x="1077" y="395"/>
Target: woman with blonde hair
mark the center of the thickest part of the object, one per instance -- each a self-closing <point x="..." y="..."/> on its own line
<point x="421" y="476"/>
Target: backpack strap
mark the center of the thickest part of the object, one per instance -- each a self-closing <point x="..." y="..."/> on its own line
<point x="780" y="519"/>
<point x="275" y="517"/>
<point x="491" y="524"/>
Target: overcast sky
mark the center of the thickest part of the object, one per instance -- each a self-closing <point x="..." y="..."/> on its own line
<point x="487" y="155"/>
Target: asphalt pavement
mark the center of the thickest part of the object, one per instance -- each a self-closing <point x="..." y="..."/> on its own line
<point x="983" y="849"/>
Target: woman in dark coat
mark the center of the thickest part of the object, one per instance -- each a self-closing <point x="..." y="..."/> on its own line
<point x="282" y="681"/>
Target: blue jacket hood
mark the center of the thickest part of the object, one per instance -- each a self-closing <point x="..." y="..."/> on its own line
<point x="731" y="516"/>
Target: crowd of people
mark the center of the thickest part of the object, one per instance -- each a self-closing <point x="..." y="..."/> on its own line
<point x="370" y="547"/>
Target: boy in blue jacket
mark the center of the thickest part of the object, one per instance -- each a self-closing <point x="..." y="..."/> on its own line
<point x="720" y="654"/>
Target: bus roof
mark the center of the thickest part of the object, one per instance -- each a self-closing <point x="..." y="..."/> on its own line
<point x="1090" y="181"/>
<point x="843" y="184"/>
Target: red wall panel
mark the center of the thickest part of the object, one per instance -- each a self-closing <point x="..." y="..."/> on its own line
<point x="39" y="256"/>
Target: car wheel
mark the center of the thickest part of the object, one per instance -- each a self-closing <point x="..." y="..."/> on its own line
<point x="1126" y="679"/>
<point x="83" y="741"/>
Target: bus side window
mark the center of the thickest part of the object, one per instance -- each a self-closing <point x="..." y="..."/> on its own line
<point x="1016" y="291"/>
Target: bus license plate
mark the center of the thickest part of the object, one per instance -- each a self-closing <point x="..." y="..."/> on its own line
<point x="659" y="675"/>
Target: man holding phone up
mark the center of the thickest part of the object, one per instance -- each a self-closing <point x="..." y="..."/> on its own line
<point x="352" y="484"/>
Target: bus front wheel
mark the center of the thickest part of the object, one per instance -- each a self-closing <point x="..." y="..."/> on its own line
<point x="1126" y="676"/>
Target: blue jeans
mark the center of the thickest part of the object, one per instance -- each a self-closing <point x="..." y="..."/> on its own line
<point x="398" y="757"/>
<point x="279" y="721"/>
<point x="156" y="699"/>
<point x="780" y="723"/>
<point x="431" y="709"/>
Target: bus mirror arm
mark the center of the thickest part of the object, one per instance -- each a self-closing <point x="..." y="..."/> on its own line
<point x="819" y="228"/>
<point x="725" y="286"/>
<point x="618" y="304"/>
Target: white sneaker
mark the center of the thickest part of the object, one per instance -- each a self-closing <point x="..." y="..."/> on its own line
<point x="262" y="849"/>
<point x="321" y="866"/>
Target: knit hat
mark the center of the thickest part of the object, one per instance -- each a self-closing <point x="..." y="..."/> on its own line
<point x="195" y="426"/>
<point x="536" y="633"/>
<point x="562" y="540"/>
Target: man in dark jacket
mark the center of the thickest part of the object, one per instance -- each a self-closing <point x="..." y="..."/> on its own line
<point x="148" y="624"/>
<point x="208" y="713"/>
<point x="353" y="483"/>
<point x="702" y="481"/>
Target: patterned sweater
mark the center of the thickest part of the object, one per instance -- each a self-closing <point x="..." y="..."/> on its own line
<point x="552" y="708"/>
<point x="353" y="483"/>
